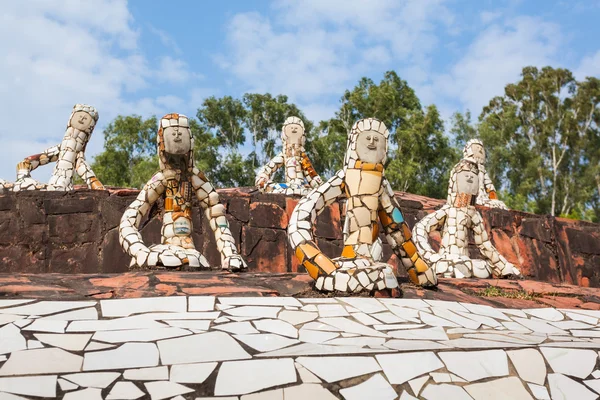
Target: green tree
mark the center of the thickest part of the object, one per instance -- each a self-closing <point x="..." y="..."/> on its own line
<point x="420" y="154"/>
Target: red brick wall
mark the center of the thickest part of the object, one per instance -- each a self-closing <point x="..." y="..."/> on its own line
<point x="76" y="232"/>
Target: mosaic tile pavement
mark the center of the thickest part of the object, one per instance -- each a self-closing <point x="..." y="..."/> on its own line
<point x="200" y="347"/>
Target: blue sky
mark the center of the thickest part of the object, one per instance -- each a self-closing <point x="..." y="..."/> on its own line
<point x="155" y="57"/>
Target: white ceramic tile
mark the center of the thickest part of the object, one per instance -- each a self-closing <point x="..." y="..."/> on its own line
<point x="276" y="326"/>
<point x="126" y="307"/>
<point x="125" y="391"/>
<point x="548" y="314"/>
<point x="582" y="345"/>
<point x="350" y="326"/>
<point x="84" y="394"/>
<point x="99" y="346"/>
<point x="67" y="341"/>
<point x="147" y="374"/>
<point x="129" y="355"/>
<point x="21" y="323"/>
<point x="433" y="320"/>
<point x="410" y="303"/>
<point x="364" y="304"/>
<point x="596" y="374"/>
<point x="360" y="341"/>
<point x="297" y="317"/>
<point x="524" y="339"/>
<point x="204" y="347"/>
<point x="46" y="307"/>
<point x="574" y="362"/>
<point x="260" y="301"/>
<point x="135" y="322"/>
<point x="571" y="325"/>
<point x="191" y="373"/>
<point x="529" y="364"/>
<point x="40" y="386"/>
<point x="482" y="319"/>
<point x="238" y="328"/>
<point x="310" y="336"/>
<point x="374" y="388"/>
<point x="388" y="317"/>
<point x="99" y="380"/>
<point x="539" y="392"/>
<point x="254" y="311"/>
<point x="589" y="313"/>
<point x="164" y="389"/>
<point x="202" y="325"/>
<point x="307" y="391"/>
<point x="351" y="309"/>
<point x="266" y="341"/>
<point x="475" y="365"/>
<point x="242" y="377"/>
<point x="305" y="375"/>
<point x="515" y="327"/>
<point x="34" y="344"/>
<point x="317" y="300"/>
<point x="499" y="389"/>
<point x="585" y="333"/>
<point x="539" y="326"/>
<point x="582" y="318"/>
<point x="466" y="343"/>
<point x="594" y="384"/>
<point x="333" y="369"/>
<point x="449" y="305"/>
<point x="412" y="345"/>
<point x="512" y="311"/>
<point x="481" y="309"/>
<point x="46" y="325"/>
<point x="444" y="392"/>
<point x="417" y="384"/>
<point x="565" y="388"/>
<point x="166" y="316"/>
<point x="77" y="315"/>
<point x="276" y="394"/>
<point x="65" y="385"/>
<point x="310" y="349"/>
<point x="201" y="303"/>
<point x="139" y="335"/>
<point x="399" y="368"/>
<point x="365" y="319"/>
<point x="406" y="396"/>
<point x="435" y="333"/>
<point x="8" y="318"/>
<point x="331" y="310"/>
<point x="390" y="327"/>
<point x="41" y="361"/>
<point x="319" y="326"/>
<point x="455" y="318"/>
<point x="12" y="303"/>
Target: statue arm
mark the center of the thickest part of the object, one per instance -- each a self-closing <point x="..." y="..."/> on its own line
<point x="30" y="163"/>
<point x="304" y="216"/>
<point x="266" y="173"/>
<point x="500" y="265"/>
<point x="399" y="237"/>
<point x="86" y="173"/>
<point x="489" y="186"/>
<point x="129" y="235"/>
<point x="215" y="212"/>
<point x="312" y="177"/>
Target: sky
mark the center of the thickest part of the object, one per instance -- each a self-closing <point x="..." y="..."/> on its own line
<point x="150" y="57"/>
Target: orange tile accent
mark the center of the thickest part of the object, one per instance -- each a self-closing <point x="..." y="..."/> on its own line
<point x="312" y="269"/>
<point x="310" y="250"/>
<point x="492" y="194"/>
<point x="299" y="254"/>
<point x="420" y="265"/>
<point x="348" y="252"/>
<point x="375" y="231"/>
<point x="409" y="247"/>
<point x="185" y="261"/>
<point x="406" y="231"/>
<point x="169" y="204"/>
<point x="414" y="256"/>
<point x="384" y="218"/>
<point x="325" y="263"/>
<point x="412" y="274"/>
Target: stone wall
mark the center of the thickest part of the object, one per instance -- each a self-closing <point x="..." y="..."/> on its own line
<point x="76" y="232"/>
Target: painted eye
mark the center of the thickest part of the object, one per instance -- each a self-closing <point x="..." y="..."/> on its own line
<point x="368" y="137"/>
<point x="376" y="139"/>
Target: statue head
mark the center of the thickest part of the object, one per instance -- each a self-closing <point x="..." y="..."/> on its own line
<point x="474" y="151"/>
<point x="464" y="183"/>
<point x="292" y="132"/>
<point x="83" y="118"/>
<point x="175" y="141"/>
<point x="367" y="142"/>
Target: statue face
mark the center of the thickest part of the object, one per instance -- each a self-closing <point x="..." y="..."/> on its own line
<point x="293" y="133"/>
<point x="81" y="121"/>
<point x="177" y="140"/>
<point x="467" y="182"/>
<point x="370" y="146"/>
<point x="478" y="152"/>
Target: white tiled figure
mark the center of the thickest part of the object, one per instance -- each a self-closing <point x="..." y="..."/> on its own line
<point x="486" y="195"/>
<point x="454" y="220"/>
<point x="176" y="181"/>
<point x="370" y="201"/>
<point x="69" y="156"/>
<point x="300" y="176"/>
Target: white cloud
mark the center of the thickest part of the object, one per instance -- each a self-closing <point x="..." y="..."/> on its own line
<point x="589" y="66"/>
<point x="54" y="54"/>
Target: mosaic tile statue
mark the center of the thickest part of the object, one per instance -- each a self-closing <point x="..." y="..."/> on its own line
<point x="300" y="176"/>
<point x="69" y="156"/>
<point x="176" y="182"/>
<point x="370" y="200"/>
<point x="475" y="152"/>
<point x="454" y="220"/>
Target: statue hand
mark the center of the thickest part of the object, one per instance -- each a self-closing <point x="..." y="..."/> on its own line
<point x="234" y="263"/>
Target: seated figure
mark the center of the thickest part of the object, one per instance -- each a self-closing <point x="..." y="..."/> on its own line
<point x="454" y="220"/>
<point x="370" y="200"/>
<point x="176" y="182"/>
<point x="69" y="156"/>
<point x="300" y="176"/>
<point x="486" y="196"/>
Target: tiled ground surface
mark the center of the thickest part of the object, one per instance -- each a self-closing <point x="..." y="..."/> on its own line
<point x="287" y="348"/>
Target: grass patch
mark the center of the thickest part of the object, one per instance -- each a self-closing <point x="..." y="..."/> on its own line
<point x="495" y="291"/>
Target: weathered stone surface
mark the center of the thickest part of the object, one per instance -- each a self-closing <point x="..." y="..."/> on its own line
<point x="265" y="249"/>
<point x="71" y="205"/>
<point x="239" y="208"/>
<point x="268" y="215"/>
